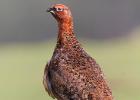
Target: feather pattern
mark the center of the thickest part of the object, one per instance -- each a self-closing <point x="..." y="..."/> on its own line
<point x="72" y="74"/>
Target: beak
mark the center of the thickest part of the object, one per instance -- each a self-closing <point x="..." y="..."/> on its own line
<point x="51" y="10"/>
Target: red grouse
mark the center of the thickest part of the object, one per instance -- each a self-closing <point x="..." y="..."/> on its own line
<point x="72" y="74"/>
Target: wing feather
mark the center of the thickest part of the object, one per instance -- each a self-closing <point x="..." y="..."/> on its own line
<point x="46" y="81"/>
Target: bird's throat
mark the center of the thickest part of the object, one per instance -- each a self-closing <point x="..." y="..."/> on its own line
<point x="65" y="26"/>
<point x="65" y="30"/>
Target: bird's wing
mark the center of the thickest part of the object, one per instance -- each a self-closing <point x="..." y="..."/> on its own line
<point x="46" y="81"/>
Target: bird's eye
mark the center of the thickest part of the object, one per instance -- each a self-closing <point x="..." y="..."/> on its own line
<point x="59" y="9"/>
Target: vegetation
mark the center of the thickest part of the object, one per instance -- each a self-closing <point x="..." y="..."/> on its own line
<point x="22" y="66"/>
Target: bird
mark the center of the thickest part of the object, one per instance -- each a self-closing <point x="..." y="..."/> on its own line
<point x="72" y="74"/>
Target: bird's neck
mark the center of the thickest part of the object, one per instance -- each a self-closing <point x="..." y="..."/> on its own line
<point x="65" y="31"/>
<point x="65" y="26"/>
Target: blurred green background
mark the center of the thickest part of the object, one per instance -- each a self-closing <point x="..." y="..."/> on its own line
<point x="22" y="65"/>
<point x="111" y="34"/>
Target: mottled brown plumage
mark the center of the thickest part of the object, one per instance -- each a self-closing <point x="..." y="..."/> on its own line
<point x="71" y="73"/>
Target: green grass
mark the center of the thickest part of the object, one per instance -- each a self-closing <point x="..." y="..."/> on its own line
<point x="22" y="65"/>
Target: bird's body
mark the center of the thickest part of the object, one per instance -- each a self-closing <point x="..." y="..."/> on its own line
<point x="71" y="73"/>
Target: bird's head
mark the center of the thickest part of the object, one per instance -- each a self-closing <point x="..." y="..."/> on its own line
<point x="60" y="12"/>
